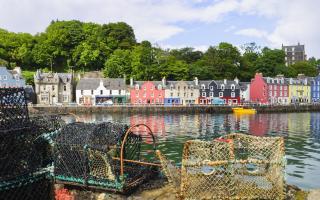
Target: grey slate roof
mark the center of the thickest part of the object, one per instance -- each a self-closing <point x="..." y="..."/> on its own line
<point x="244" y="85"/>
<point x="228" y="84"/>
<point x="108" y="83"/>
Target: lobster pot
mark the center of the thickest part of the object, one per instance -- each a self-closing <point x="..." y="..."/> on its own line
<point x="88" y="154"/>
<point x="24" y="153"/>
<point x="237" y="166"/>
<point x="36" y="187"/>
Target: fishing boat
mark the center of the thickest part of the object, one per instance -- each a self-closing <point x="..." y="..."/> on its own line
<point x="241" y="110"/>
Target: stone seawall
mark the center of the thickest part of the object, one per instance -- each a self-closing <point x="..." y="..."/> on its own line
<point x="169" y="109"/>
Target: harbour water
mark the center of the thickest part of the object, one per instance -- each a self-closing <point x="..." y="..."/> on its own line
<point x="300" y="130"/>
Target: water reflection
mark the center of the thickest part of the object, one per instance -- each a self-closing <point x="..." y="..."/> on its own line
<point x="301" y="132"/>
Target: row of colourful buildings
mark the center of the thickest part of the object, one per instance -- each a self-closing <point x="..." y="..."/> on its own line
<point x="61" y="88"/>
<point x="263" y="90"/>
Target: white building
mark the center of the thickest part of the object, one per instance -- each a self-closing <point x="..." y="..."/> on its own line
<point x="244" y="91"/>
<point x="95" y="91"/>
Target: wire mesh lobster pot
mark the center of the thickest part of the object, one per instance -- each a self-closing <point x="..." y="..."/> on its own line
<point x="37" y="186"/>
<point x="104" y="156"/>
<point x="237" y="166"/>
<point x="24" y="153"/>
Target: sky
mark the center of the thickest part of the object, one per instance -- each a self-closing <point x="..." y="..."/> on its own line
<point x="181" y="23"/>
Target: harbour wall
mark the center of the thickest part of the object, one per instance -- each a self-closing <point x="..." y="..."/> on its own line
<point x="171" y="109"/>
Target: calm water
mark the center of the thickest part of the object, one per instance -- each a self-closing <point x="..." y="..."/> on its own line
<point x="301" y="132"/>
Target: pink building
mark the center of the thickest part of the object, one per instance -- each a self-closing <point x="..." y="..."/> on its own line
<point x="147" y="92"/>
<point x="269" y="90"/>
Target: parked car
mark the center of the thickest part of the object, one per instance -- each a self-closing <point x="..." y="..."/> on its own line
<point x="106" y="103"/>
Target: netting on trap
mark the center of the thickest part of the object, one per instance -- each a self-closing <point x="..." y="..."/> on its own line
<point x="105" y="156"/>
<point x="34" y="187"/>
<point x="237" y="166"/>
<point x="13" y="109"/>
<point x="24" y="152"/>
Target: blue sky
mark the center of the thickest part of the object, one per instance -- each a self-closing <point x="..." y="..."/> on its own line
<point x="180" y="23"/>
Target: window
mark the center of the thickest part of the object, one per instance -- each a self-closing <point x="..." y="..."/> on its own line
<point x="184" y="87"/>
<point x="270" y="87"/>
<point x="233" y="94"/>
<point x="184" y="94"/>
<point x="284" y="87"/>
<point x="274" y="87"/>
<point x="280" y="87"/>
<point x="91" y="92"/>
<point x="137" y="87"/>
<point x="119" y="92"/>
<point x="152" y="88"/>
<point x="203" y="86"/>
<point x="191" y="87"/>
<point x="137" y="94"/>
<point x="64" y="88"/>
<point x="144" y="94"/>
<point x="159" y="87"/>
<point x="5" y="77"/>
<point x="81" y="92"/>
<point x="232" y="87"/>
<point x="65" y="98"/>
<point x="44" y="87"/>
<point x="171" y="94"/>
<point x="220" y="94"/>
<point x="203" y="94"/>
<point x="53" y="88"/>
<point x="44" y="98"/>
<point x="178" y="87"/>
<point x="101" y="92"/>
<point x="191" y="94"/>
<point x="152" y="95"/>
<point x="211" y="87"/>
<point x="110" y="92"/>
<point x="0" y="77"/>
<point x="222" y="87"/>
<point x="211" y="94"/>
<point x="178" y="94"/>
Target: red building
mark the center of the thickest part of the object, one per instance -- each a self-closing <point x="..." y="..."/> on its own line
<point x="269" y="90"/>
<point x="147" y="92"/>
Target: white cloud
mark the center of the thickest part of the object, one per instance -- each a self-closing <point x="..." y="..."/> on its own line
<point x="252" y="32"/>
<point x="295" y="21"/>
<point x="157" y="20"/>
<point x="152" y="20"/>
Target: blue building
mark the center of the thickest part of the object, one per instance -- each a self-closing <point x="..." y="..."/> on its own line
<point x="315" y="89"/>
<point x="11" y="78"/>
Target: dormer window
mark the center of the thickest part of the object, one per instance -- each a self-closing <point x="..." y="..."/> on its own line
<point x="137" y="87"/>
<point x="211" y="88"/>
<point x="171" y="87"/>
<point x="233" y="87"/>
<point x="222" y="87"/>
<point x="203" y="86"/>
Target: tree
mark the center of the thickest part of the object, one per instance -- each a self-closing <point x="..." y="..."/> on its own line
<point x="187" y="54"/>
<point x="118" y="35"/>
<point x="271" y="62"/>
<point x="302" y="67"/>
<point x="119" y="64"/>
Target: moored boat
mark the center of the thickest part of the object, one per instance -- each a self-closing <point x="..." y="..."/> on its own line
<point x="240" y="110"/>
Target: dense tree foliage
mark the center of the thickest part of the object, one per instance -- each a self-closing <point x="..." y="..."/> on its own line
<point x="113" y="48"/>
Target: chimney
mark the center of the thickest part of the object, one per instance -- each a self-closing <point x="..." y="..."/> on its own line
<point x="131" y="81"/>
<point x="164" y="81"/>
<point x="225" y="81"/>
<point x="196" y="80"/>
<point x="101" y="82"/>
<point x="18" y="70"/>
<point x="236" y="80"/>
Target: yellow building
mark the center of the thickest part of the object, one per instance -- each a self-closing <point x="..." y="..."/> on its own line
<point x="299" y="89"/>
